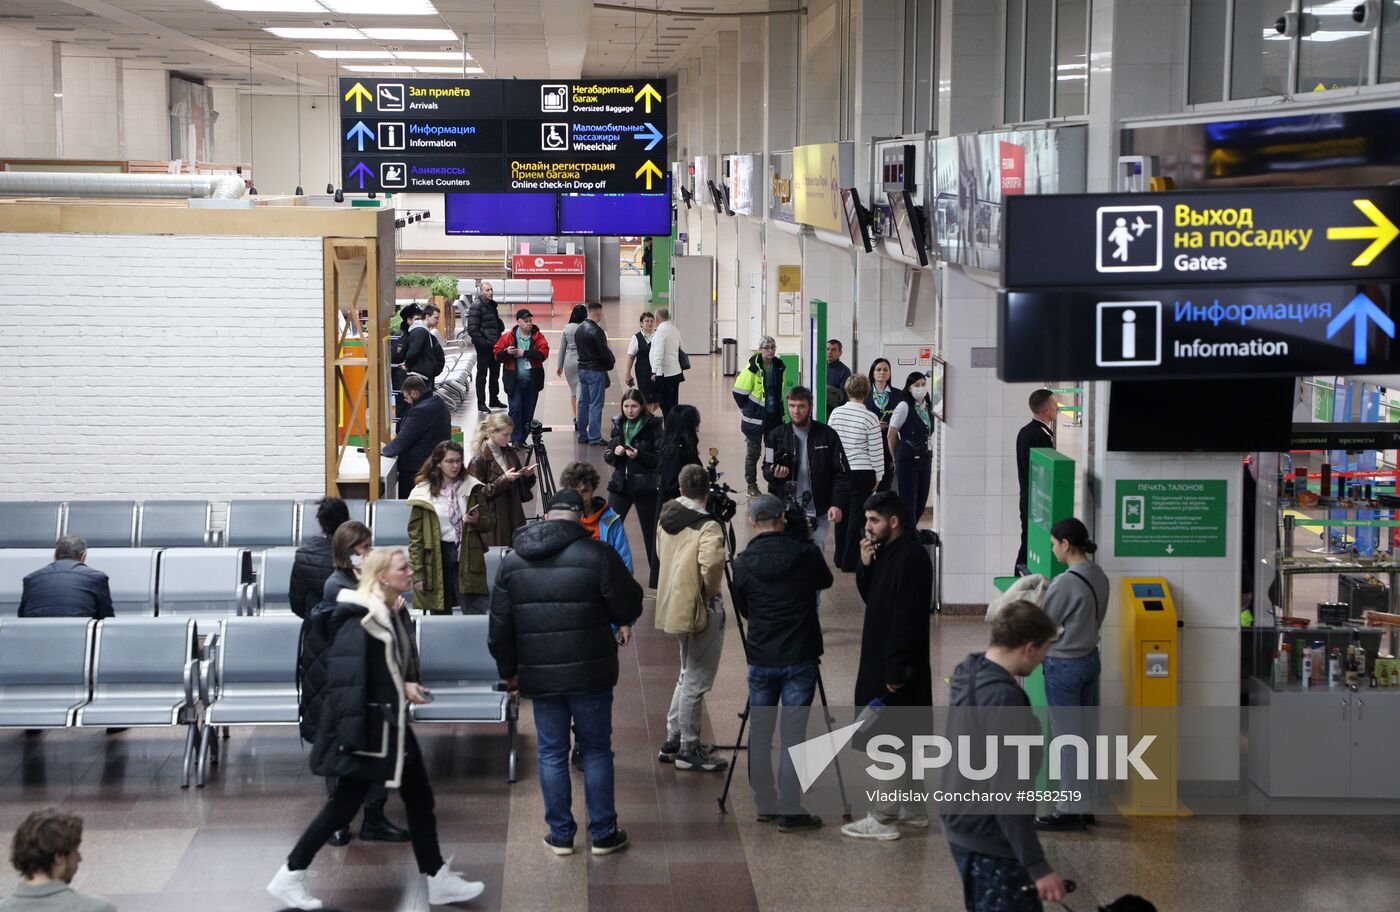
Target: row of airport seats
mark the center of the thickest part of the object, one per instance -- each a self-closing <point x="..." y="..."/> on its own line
<point x="511" y="291"/>
<point x="152" y="672"/>
<point x="251" y="523"/>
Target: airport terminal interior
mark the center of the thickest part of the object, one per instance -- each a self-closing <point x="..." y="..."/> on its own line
<point x="1100" y="291"/>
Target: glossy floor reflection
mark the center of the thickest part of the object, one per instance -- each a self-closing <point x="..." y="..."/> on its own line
<point x="151" y="847"/>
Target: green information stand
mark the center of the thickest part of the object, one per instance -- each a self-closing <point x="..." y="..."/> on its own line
<point x="817" y="344"/>
<point x="661" y="268"/>
<point x="1051" y="500"/>
<point x="1169" y="518"/>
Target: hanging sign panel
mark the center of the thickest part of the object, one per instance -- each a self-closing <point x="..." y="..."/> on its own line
<point x="1230" y="331"/>
<point x="1208" y="237"/>
<point x="502" y="136"/>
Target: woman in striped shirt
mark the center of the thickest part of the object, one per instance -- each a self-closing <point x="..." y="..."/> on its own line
<point x="863" y="440"/>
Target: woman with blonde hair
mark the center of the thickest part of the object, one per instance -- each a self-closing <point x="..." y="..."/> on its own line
<point x="364" y="736"/>
<point x="496" y="464"/>
<point x="449" y="512"/>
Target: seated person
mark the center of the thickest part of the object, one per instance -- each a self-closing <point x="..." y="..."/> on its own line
<point x="45" y="852"/>
<point x="67" y="587"/>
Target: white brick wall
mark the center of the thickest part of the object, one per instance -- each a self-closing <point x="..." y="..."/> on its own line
<point x="138" y="366"/>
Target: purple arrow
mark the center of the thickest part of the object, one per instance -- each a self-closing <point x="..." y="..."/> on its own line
<point x="361" y="172"/>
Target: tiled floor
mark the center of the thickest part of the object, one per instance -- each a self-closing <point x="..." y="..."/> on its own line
<point x="152" y="847"/>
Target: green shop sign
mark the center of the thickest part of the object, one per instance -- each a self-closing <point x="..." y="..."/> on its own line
<point x="1182" y="518"/>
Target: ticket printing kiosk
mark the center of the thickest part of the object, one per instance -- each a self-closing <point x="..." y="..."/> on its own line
<point x="1151" y="659"/>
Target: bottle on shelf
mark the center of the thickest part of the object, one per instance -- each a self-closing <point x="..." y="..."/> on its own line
<point x="1334" y="667"/>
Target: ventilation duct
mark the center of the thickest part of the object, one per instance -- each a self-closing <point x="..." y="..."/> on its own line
<point x="123" y="186"/>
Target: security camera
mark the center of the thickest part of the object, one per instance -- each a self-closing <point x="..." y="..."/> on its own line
<point x="1372" y="13"/>
<point x="1294" y="25"/>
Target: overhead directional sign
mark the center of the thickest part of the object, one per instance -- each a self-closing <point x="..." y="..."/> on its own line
<point x="1208" y="237"/>
<point x="494" y="136"/>
<point x="1150" y="333"/>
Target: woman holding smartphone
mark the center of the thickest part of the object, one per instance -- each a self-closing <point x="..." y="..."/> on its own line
<point x="496" y="464"/>
<point x="448" y="514"/>
<point x="634" y="452"/>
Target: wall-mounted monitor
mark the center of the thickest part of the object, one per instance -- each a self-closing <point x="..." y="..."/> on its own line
<point x="615" y="214"/>
<point x="897" y="167"/>
<point x="1153" y="416"/>
<point x="502" y="213"/>
<point x="716" y="196"/>
<point x="857" y="219"/>
<point x="908" y="226"/>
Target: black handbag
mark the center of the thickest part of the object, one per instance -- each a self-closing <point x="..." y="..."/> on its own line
<point x="684" y="359"/>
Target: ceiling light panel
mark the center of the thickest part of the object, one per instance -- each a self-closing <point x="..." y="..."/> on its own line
<point x="269" y="6"/>
<point x="380" y="7"/>
<point x="411" y="34"/>
<point x="343" y="7"/>
<point x="317" y="34"/>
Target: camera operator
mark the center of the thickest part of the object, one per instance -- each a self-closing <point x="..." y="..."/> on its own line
<point x="776" y="584"/>
<point x="690" y="546"/>
<point x="806" y="458"/>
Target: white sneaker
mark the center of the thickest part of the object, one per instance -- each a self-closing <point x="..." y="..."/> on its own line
<point x="447" y="886"/>
<point x="869" y="827"/>
<point x="906" y="818"/>
<point x="289" y="888"/>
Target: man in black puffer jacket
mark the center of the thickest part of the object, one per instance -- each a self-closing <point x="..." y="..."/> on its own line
<point x="557" y="599"/>
<point x="313" y="564"/>
<point x="484" y="327"/>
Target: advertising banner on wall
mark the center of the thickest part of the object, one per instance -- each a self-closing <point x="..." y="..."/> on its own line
<point x="973" y="174"/>
<point x="742" y="169"/>
<point x="819" y="172"/>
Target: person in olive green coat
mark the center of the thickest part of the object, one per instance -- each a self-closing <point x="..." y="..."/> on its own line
<point x="446" y="548"/>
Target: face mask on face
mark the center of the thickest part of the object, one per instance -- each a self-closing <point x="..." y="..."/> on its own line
<point x="357" y="561"/>
<point x="920" y="393"/>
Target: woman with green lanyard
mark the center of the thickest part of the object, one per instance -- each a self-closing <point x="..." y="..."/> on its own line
<point x="883" y="400"/>
<point x="634" y="452"/>
<point x="911" y="439"/>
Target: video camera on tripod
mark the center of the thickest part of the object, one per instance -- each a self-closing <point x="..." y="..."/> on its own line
<point x="720" y="505"/>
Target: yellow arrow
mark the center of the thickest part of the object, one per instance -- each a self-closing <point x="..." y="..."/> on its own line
<point x="1381" y="232"/>
<point x="360" y="94"/>
<point x="648" y="168"/>
<point x="647" y="93"/>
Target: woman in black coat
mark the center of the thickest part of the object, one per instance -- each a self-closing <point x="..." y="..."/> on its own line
<point x="680" y="447"/>
<point x="634" y="452"/>
<point x="884" y="398"/>
<point x="363" y="736"/>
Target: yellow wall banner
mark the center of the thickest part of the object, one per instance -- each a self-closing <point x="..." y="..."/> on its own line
<point x="817" y="172"/>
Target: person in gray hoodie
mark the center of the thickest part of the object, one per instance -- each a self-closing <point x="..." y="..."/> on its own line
<point x="998" y="854"/>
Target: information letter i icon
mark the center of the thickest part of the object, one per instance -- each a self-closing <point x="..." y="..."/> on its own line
<point x="1129" y="346"/>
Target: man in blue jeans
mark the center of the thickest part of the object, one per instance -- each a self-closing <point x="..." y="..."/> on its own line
<point x="562" y="605"/>
<point x="595" y="359"/>
<point x="776" y="581"/>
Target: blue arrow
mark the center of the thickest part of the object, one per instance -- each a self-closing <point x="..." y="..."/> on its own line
<point x="653" y="134"/>
<point x="1360" y="310"/>
<point x="362" y="172"/>
<point x="361" y="132"/>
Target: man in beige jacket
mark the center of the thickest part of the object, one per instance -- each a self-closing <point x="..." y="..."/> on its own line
<point x="690" y="549"/>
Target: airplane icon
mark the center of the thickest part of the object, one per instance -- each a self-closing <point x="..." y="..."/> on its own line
<point x="1140" y="226"/>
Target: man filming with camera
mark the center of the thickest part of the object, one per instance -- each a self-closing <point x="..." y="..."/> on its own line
<point x="776" y="584"/>
<point x="805" y="465"/>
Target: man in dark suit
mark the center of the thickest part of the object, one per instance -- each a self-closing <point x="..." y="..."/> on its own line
<point x="1040" y="432"/>
<point x="427" y="423"/>
<point x="67" y="587"/>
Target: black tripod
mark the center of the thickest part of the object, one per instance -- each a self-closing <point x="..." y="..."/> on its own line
<point x="543" y="471"/>
<point x="744" y="716"/>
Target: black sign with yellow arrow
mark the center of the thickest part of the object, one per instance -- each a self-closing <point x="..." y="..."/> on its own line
<point x="496" y="135"/>
<point x="1208" y="237"/>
